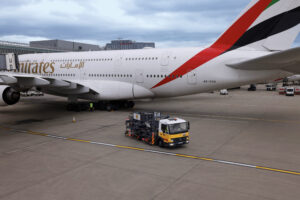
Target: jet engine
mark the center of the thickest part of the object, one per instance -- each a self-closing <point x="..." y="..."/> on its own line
<point x="9" y="96"/>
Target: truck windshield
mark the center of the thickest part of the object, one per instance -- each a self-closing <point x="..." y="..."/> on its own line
<point x="178" y="128"/>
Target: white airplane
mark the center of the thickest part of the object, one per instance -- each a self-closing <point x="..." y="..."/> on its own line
<point x="293" y="78"/>
<point x="255" y="48"/>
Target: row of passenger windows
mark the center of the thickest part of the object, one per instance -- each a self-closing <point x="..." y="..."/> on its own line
<point x="147" y="58"/>
<point x="129" y="75"/>
<point x="75" y="60"/>
<point x="83" y="60"/>
<point x="110" y="75"/>
<point x="68" y="75"/>
<point x="59" y="75"/>
<point x="98" y="60"/>
<point x="164" y="76"/>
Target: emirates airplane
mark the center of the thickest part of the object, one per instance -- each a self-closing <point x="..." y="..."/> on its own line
<point x="255" y="48"/>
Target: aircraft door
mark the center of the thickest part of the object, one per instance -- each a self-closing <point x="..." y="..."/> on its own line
<point x="165" y="61"/>
<point x="83" y="74"/>
<point x="192" y="77"/>
<point x="139" y="76"/>
<point x="118" y="61"/>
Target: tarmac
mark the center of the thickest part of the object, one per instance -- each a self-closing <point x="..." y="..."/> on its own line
<point x="243" y="146"/>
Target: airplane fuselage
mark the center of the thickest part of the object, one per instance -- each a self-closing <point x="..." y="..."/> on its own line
<point x="136" y="72"/>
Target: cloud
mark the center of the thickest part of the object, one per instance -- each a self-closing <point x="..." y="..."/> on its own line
<point x="169" y="23"/>
<point x="191" y="6"/>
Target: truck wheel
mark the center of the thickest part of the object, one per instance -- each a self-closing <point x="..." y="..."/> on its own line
<point x="160" y="143"/>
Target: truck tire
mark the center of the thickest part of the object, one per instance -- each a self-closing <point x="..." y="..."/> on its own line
<point x="161" y="143"/>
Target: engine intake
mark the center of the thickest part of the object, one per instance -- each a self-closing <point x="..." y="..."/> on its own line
<point x="9" y="96"/>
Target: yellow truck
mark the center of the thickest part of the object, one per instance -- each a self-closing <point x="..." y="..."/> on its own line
<point x="157" y="129"/>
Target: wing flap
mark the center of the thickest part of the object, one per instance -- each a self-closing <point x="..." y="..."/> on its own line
<point x="288" y="60"/>
<point x="27" y="81"/>
<point x="58" y="83"/>
<point x="8" y="79"/>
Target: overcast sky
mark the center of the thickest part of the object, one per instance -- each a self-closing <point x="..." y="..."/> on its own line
<point x="168" y="23"/>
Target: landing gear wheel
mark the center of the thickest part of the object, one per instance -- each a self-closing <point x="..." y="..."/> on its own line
<point x="131" y="104"/>
<point x="69" y="107"/>
<point x="108" y="107"/>
<point x="126" y="105"/>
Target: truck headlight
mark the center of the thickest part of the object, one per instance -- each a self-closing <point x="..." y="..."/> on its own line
<point x="171" y="140"/>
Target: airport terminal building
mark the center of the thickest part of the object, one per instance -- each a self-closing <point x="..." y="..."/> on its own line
<point x="52" y="46"/>
<point x="128" y="44"/>
<point x="45" y="46"/>
<point x="62" y="45"/>
<point x="22" y="48"/>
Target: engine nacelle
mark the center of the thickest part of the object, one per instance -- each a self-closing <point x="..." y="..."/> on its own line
<point x="8" y="96"/>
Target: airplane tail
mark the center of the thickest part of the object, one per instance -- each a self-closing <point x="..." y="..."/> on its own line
<point x="271" y="25"/>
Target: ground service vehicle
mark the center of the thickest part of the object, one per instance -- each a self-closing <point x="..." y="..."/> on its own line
<point x="224" y="92"/>
<point x="156" y="129"/>
<point x="290" y="91"/>
<point x="271" y="86"/>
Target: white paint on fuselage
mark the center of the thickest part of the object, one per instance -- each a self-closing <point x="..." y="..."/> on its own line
<point x="148" y="67"/>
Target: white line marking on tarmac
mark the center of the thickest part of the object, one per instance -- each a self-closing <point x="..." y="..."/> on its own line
<point x="159" y="152"/>
<point x="234" y="163"/>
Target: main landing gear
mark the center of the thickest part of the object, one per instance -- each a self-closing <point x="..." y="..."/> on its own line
<point x="101" y="105"/>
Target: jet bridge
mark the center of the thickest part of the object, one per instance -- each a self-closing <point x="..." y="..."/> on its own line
<point x="9" y="62"/>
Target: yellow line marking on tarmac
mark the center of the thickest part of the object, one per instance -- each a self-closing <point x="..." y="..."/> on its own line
<point x="194" y="157"/>
<point x="278" y="170"/>
<point x="186" y="156"/>
<point x="78" y="140"/>
<point x="37" y="133"/>
<point x="157" y="152"/>
<point x="206" y="159"/>
<point x="133" y="148"/>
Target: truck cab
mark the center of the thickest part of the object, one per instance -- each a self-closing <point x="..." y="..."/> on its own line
<point x="157" y="129"/>
<point x="271" y="86"/>
<point x="290" y="91"/>
<point x="173" y="132"/>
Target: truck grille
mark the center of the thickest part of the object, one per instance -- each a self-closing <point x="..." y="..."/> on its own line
<point x="178" y="140"/>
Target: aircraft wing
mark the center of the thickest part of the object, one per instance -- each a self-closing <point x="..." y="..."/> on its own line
<point x="288" y="60"/>
<point x="27" y="81"/>
<point x="86" y="89"/>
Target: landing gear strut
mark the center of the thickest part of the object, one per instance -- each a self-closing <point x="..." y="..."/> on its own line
<point x="77" y="107"/>
<point x="101" y="105"/>
<point x="114" y="105"/>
